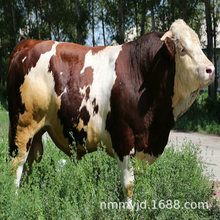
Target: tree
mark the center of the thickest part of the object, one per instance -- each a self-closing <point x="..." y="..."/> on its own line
<point x="68" y="20"/>
<point x="102" y="18"/>
<point x="143" y="15"/>
<point x="215" y="19"/>
<point x="121" y="21"/>
<point x="211" y="89"/>
<point x="11" y="19"/>
<point x="93" y="22"/>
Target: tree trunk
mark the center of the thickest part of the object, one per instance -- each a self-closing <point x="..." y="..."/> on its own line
<point x="37" y="21"/>
<point x="14" y="38"/>
<point x="93" y="24"/>
<point x="103" y="26"/>
<point x="50" y="30"/>
<point x="211" y="88"/>
<point x="185" y="14"/>
<point x="41" y="16"/>
<point x="136" y="18"/>
<point x="152" y="17"/>
<point x="172" y="11"/>
<point x="143" y="16"/>
<point x="78" y="25"/>
<point x="163" y="16"/>
<point x="58" y="33"/>
<point x="121" y="22"/>
<point x="214" y="38"/>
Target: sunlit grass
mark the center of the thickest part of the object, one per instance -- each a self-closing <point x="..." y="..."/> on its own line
<point x="75" y="190"/>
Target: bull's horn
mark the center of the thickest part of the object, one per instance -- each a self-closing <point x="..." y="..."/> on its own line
<point x="167" y="34"/>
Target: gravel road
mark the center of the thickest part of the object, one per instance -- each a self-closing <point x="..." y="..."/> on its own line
<point x="210" y="146"/>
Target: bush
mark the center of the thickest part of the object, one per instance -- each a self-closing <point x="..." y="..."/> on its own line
<point x="75" y="189"/>
<point x="3" y="98"/>
<point x="203" y="116"/>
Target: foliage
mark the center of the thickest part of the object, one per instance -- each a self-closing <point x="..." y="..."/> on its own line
<point x="3" y="98"/>
<point x="3" y="112"/>
<point x="75" y="189"/>
<point x="203" y="116"/>
<point x="80" y="20"/>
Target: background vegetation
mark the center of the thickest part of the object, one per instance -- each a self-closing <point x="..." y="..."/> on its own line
<point x="74" y="190"/>
<point x="100" y="22"/>
<point x="203" y="116"/>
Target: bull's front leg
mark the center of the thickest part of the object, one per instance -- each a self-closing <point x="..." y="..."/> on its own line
<point x="123" y="140"/>
<point x="127" y="178"/>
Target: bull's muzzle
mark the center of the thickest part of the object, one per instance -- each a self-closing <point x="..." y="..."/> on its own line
<point x="210" y="70"/>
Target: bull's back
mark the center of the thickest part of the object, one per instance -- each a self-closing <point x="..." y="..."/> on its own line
<point x="64" y="88"/>
<point x="29" y="83"/>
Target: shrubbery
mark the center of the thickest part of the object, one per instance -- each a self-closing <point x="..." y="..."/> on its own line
<point x="74" y="190"/>
<point x="203" y="116"/>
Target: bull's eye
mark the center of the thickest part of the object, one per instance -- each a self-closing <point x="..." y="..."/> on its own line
<point x="182" y="51"/>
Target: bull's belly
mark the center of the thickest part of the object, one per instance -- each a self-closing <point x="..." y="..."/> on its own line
<point x="96" y="135"/>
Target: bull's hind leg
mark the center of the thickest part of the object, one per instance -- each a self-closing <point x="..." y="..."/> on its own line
<point x="24" y="141"/>
<point x="35" y="152"/>
<point x="28" y="147"/>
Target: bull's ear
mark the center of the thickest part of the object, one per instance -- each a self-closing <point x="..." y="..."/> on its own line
<point x="167" y="34"/>
<point x="170" y="46"/>
<point x="169" y="43"/>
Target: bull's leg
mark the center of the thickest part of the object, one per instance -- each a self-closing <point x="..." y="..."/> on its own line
<point x="21" y="140"/>
<point x="127" y="178"/>
<point x="123" y="145"/>
<point x="35" y="152"/>
<point x="29" y="150"/>
<point x="21" y="158"/>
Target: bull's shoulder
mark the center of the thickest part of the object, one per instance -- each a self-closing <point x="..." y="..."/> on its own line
<point x="27" y="53"/>
<point x="24" y="45"/>
<point x="69" y="51"/>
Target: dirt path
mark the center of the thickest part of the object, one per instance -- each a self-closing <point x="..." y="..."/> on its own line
<point x="210" y="146"/>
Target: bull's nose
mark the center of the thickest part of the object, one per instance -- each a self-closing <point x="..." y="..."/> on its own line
<point x="210" y="70"/>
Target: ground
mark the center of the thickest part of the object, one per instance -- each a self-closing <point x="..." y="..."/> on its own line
<point x="209" y="144"/>
<point x="210" y="148"/>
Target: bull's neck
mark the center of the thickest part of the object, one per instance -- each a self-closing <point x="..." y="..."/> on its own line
<point x="156" y="69"/>
<point x="182" y="99"/>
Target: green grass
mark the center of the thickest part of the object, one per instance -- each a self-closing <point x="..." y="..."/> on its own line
<point x="3" y="122"/>
<point x="203" y="116"/>
<point x="3" y="112"/>
<point x="76" y="189"/>
<point x="3" y="98"/>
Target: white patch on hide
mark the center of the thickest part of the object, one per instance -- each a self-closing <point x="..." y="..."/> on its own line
<point x="104" y="76"/>
<point x="24" y="59"/>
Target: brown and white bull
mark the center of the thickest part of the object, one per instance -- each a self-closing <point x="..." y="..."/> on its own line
<point x="126" y="96"/>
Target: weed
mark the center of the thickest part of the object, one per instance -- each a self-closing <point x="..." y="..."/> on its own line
<point x="57" y="190"/>
<point x="203" y="116"/>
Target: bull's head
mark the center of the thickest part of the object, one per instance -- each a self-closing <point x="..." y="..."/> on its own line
<point x="193" y="69"/>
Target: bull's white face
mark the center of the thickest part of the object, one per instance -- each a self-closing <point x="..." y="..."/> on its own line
<point x="193" y="69"/>
<point x="192" y="66"/>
